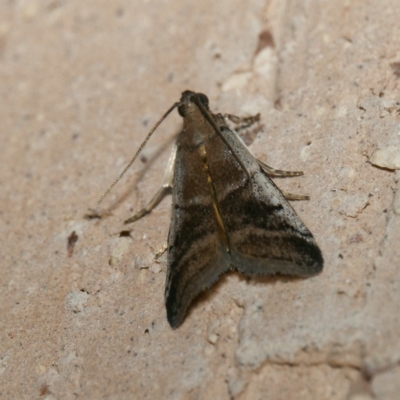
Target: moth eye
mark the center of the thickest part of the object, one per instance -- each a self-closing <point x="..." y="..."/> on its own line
<point x="181" y="111"/>
<point x="203" y="99"/>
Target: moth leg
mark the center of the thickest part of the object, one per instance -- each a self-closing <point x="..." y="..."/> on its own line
<point x="161" y="251"/>
<point x="291" y="196"/>
<point x="277" y="172"/>
<point x="167" y="184"/>
<point x="242" y="122"/>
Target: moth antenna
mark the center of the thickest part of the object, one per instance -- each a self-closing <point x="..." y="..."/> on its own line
<point x="216" y="127"/>
<point x="177" y="104"/>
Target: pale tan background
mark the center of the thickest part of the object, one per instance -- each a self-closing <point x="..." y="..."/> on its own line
<point x="81" y="83"/>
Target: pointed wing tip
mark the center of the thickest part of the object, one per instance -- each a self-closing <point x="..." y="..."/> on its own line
<point x="174" y="319"/>
<point x="182" y="290"/>
<point x="316" y="268"/>
<point x="317" y="264"/>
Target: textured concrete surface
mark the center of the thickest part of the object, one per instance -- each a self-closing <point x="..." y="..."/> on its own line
<point x="81" y="84"/>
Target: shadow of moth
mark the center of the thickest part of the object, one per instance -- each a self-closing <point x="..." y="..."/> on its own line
<point x="227" y="213"/>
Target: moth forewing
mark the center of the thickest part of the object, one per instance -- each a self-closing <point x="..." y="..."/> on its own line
<point x="266" y="235"/>
<point x="226" y="212"/>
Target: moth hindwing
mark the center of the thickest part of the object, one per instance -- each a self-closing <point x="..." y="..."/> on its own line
<point x="227" y="214"/>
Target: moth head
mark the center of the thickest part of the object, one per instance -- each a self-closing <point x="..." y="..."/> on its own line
<point x="187" y="100"/>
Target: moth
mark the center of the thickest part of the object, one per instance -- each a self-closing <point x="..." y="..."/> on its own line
<point x="227" y="213"/>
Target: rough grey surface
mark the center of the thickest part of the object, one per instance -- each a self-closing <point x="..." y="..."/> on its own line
<point x="81" y="83"/>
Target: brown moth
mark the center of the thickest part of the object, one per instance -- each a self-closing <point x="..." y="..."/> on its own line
<point x="227" y="214"/>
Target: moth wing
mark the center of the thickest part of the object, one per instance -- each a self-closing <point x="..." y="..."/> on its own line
<point x="265" y="234"/>
<point x="197" y="255"/>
